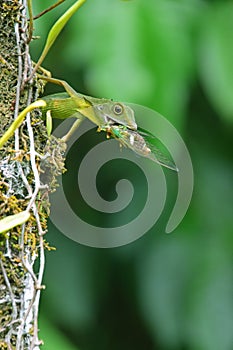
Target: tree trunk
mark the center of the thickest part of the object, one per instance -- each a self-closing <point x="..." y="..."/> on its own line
<point x="21" y="186"/>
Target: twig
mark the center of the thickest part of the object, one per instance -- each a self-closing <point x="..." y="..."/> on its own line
<point x="48" y="9"/>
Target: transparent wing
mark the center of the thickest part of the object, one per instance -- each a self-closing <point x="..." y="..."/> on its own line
<point x="160" y="158"/>
<point x="141" y="142"/>
<point x="157" y="155"/>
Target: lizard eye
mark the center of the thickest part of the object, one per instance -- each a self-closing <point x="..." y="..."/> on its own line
<point x="117" y="109"/>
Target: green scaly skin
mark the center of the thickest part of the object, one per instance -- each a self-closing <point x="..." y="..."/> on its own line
<point x="100" y="111"/>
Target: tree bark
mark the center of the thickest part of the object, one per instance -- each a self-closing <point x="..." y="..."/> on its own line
<point x="21" y="184"/>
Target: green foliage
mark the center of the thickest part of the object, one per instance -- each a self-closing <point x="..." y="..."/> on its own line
<point x="53" y="339"/>
<point x="216" y="57"/>
<point x="164" y="292"/>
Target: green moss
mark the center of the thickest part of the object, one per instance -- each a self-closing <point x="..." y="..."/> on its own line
<point x="17" y="244"/>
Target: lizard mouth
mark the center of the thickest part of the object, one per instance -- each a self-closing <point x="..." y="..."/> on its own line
<point x="132" y="125"/>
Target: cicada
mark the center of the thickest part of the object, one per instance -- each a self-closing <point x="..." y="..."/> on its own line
<point x="140" y="141"/>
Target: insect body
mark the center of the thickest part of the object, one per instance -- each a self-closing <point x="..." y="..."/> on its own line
<point x="140" y="141"/>
<point x="115" y="118"/>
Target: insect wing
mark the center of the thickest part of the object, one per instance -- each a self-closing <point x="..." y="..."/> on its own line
<point x="141" y="143"/>
<point x="145" y="133"/>
<point x="157" y="156"/>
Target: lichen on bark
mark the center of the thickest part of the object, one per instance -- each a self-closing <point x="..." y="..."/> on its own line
<point x="21" y="186"/>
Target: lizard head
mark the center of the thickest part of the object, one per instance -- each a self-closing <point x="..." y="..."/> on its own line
<point x="116" y="113"/>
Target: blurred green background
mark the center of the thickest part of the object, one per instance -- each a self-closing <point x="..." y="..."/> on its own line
<point x="163" y="292"/>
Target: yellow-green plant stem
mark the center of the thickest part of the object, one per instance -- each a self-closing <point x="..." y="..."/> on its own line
<point x="18" y="121"/>
<point x="11" y="221"/>
<point x="30" y="29"/>
<point x="55" y="31"/>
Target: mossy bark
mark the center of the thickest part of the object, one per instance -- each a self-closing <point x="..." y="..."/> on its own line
<point x="21" y="186"/>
